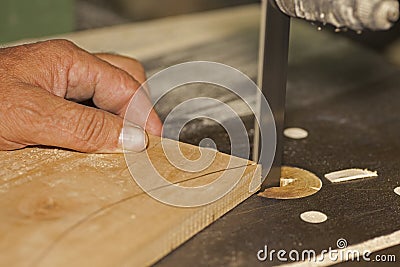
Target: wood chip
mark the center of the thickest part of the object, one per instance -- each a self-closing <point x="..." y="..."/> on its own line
<point x="295" y="183"/>
<point x="350" y="174"/>
<point x="397" y="190"/>
<point x="313" y="216"/>
<point x="295" y="133"/>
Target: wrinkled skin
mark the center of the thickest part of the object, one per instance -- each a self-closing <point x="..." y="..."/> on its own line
<point x="41" y="83"/>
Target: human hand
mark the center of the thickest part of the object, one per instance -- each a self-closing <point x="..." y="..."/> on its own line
<point x="41" y="83"/>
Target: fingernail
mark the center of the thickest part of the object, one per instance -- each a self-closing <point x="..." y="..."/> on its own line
<point x="132" y="138"/>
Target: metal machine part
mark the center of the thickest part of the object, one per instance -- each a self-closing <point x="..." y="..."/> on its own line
<point x="272" y="76"/>
<point x="274" y="44"/>
<point x="353" y="14"/>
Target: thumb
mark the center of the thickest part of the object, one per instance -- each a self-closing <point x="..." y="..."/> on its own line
<point x="66" y="124"/>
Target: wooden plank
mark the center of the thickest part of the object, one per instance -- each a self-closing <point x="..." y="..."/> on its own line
<point x="63" y="208"/>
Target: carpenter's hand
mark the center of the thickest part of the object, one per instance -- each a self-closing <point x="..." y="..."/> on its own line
<point x="39" y="82"/>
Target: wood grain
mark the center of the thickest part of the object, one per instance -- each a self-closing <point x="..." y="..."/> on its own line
<point x="294" y="183"/>
<point x="63" y="208"/>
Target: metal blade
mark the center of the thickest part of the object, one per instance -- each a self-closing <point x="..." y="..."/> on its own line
<point x="273" y="60"/>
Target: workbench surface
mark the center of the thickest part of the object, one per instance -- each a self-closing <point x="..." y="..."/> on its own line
<point x="344" y="95"/>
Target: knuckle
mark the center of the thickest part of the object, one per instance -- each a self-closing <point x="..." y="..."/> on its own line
<point x="90" y="128"/>
<point x="136" y="62"/>
<point x="21" y="116"/>
<point x="138" y="65"/>
<point x="61" y="44"/>
<point x="38" y="63"/>
<point x="132" y="64"/>
<point x="60" y="51"/>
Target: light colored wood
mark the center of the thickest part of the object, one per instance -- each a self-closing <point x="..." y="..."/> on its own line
<point x="63" y="208"/>
<point x="294" y="183"/>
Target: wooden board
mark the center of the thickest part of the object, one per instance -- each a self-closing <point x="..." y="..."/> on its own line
<point x="63" y="208"/>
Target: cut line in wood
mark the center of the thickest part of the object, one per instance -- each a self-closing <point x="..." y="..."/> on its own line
<point x="63" y="208"/>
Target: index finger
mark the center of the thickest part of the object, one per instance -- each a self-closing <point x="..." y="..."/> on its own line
<point x="75" y="74"/>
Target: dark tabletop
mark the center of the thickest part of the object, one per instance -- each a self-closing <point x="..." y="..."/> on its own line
<point x="347" y="98"/>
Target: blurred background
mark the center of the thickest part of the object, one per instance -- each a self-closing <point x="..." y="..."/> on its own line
<point x="35" y="18"/>
<point x="20" y="19"/>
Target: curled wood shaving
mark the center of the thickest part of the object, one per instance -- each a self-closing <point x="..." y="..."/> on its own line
<point x="349" y="174"/>
<point x="295" y="183"/>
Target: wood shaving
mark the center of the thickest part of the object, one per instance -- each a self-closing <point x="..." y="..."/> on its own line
<point x="295" y="183"/>
<point x="313" y="216"/>
<point x="397" y="190"/>
<point x="295" y="133"/>
<point x="349" y="174"/>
